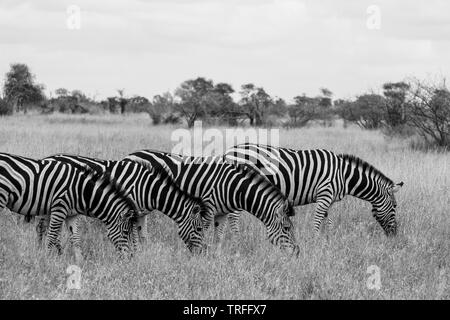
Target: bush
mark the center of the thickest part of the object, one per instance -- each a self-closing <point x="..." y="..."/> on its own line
<point x="420" y="144"/>
<point x="172" y="119"/>
<point x="428" y="113"/>
<point x="366" y="111"/>
<point x="5" y="108"/>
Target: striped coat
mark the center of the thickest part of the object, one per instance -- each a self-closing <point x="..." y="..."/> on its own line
<point x="323" y="177"/>
<point x="227" y="188"/>
<point x="151" y="189"/>
<point x="47" y="188"/>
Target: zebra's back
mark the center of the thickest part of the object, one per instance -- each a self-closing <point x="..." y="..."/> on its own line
<point x="29" y="186"/>
<point x="299" y="174"/>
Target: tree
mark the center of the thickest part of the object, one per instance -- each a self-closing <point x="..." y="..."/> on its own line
<point x="79" y="96"/>
<point x="161" y="105"/>
<point x="193" y="99"/>
<point x="5" y="108"/>
<point x="256" y="103"/>
<point x="304" y="110"/>
<point x="278" y="108"/>
<point x="138" y="104"/>
<point x="66" y="101"/>
<point x="20" y="89"/>
<point x="221" y="105"/>
<point x="122" y="100"/>
<point x="429" y="112"/>
<point x="395" y="93"/>
<point x="112" y="103"/>
<point x="325" y="99"/>
<point x="367" y="111"/>
<point x="61" y="92"/>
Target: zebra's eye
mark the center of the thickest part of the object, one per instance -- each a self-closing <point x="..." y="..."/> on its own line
<point x="196" y="210"/>
<point x="199" y="229"/>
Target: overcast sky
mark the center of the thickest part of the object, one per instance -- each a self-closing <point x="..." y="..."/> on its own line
<point x="289" y="47"/>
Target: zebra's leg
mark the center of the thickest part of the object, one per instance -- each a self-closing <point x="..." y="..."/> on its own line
<point x="72" y="227"/>
<point x="41" y="228"/>
<point x="233" y="220"/>
<point x="330" y="221"/>
<point x="142" y="229"/>
<point x="3" y="200"/>
<point x="219" y="227"/>
<point x="324" y="201"/>
<point x="54" y="230"/>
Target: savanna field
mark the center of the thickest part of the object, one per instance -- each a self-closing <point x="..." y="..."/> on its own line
<point x="413" y="265"/>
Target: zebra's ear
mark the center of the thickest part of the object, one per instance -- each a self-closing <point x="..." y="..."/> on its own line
<point x="397" y="187"/>
<point x="127" y="215"/>
<point x="283" y="210"/>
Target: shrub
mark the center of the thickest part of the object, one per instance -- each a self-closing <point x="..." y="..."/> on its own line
<point x="366" y="111"/>
<point x="6" y="109"/>
<point x="172" y="119"/>
<point x="429" y="113"/>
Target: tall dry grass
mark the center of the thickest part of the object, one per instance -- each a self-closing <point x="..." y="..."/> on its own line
<point x="413" y="265"/>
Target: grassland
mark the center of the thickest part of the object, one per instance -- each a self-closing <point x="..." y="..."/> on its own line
<point x="413" y="265"/>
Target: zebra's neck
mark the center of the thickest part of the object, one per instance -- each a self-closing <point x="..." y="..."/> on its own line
<point x="161" y="193"/>
<point x="258" y="197"/>
<point x="100" y="200"/>
<point x="361" y="179"/>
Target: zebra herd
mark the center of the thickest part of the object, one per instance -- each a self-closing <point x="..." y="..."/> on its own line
<point x="196" y="192"/>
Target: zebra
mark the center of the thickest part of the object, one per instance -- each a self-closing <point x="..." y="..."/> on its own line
<point x="151" y="189"/>
<point x="226" y="188"/>
<point x="47" y="188"/>
<point x="320" y="176"/>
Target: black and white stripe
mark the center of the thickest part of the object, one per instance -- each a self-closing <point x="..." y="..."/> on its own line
<point x="322" y="177"/>
<point x="48" y="188"/>
<point x="227" y="188"/>
<point x="151" y="189"/>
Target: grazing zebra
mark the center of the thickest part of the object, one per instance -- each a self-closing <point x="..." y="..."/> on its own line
<point x="322" y="177"/>
<point x="48" y="188"/>
<point x="226" y="188"/>
<point x="151" y="189"/>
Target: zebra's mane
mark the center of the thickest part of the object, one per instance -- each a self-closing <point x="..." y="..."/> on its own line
<point x="160" y="172"/>
<point x="363" y="165"/>
<point x="254" y="175"/>
<point x="105" y="176"/>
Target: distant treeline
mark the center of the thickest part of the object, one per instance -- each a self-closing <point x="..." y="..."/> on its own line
<point x="405" y="107"/>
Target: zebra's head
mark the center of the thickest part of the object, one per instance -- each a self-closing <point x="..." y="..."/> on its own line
<point x="281" y="231"/>
<point x="106" y="200"/>
<point x="191" y="229"/>
<point x="127" y="228"/>
<point x="384" y="208"/>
